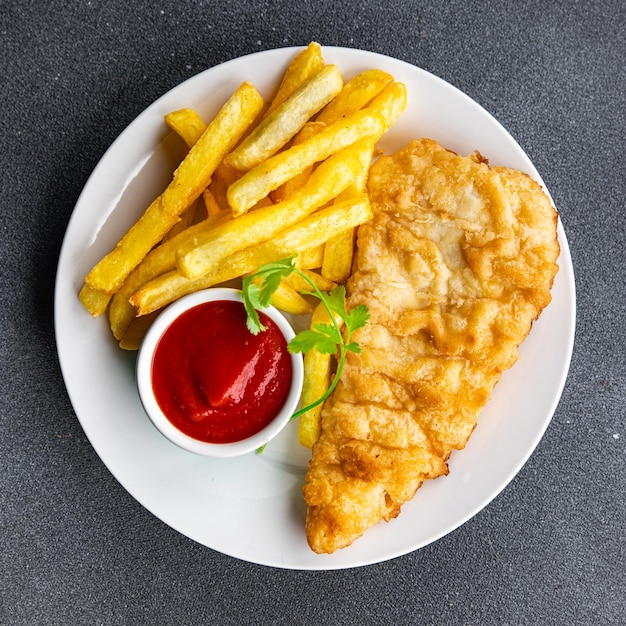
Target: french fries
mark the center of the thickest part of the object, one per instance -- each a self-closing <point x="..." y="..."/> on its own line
<point x="210" y="247"/>
<point x="303" y="66"/>
<point x="338" y="253"/>
<point x="158" y="261"/>
<point x="355" y="95"/>
<point x="317" y="379"/>
<point x="94" y="300"/>
<point x="187" y="124"/>
<point x="267" y="176"/>
<point x="189" y="180"/>
<point x="308" y="233"/>
<point x="289" y="300"/>
<point x="256" y="187"/>
<point x="287" y="119"/>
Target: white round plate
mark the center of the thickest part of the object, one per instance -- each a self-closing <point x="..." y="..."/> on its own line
<point x="251" y="507"/>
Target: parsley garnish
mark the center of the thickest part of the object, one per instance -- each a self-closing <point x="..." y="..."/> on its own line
<point x="257" y="291"/>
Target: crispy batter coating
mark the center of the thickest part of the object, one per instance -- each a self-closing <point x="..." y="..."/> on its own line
<point x="455" y="266"/>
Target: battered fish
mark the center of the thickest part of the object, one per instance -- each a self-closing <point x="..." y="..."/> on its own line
<point x="455" y="266"/>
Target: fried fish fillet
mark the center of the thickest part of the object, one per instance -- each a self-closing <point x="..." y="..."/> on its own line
<point x="456" y="264"/>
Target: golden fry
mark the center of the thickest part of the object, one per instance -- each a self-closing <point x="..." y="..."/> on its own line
<point x="356" y="93"/>
<point x="299" y="284"/>
<point x="210" y="203"/>
<point x="358" y="186"/>
<point x="339" y="250"/>
<point x="390" y="103"/>
<point x="293" y="184"/>
<point x="317" y="379"/>
<point x="205" y="251"/>
<point x="308" y="233"/>
<point x="267" y="176"/>
<point x="190" y="179"/>
<point x="187" y="218"/>
<point x="95" y="301"/>
<point x="310" y="259"/>
<point x="187" y="124"/>
<point x="338" y="254"/>
<point x="315" y="383"/>
<point x="302" y="67"/>
<point x="287" y="119"/>
<point x="194" y="172"/>
<point x="227" y="173"/>
<point x="136" y="331"/>
<point x="158" y="261"/>
<point x="287" y="299"/>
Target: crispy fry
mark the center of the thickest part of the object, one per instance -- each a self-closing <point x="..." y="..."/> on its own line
<point x="310" y="259"/>
<point x="187" y="218"/>
<point x="207" y="249"/>
<point x="287" y="299"/>
<point x="358" y="186"/>
<point x="194" y="172"/>
<point x="95" y="301"/>
<point x="338" y="254"/>
<point x="287" y="119"/>
<point x="293" y="184"/>
<point x="218" y="191"/>
<point x="159" y="261"/>
<point x="260" y="180"/>
<point x="390" y="103"/>
<point x="299" y="284"/>
<point x="356" y="93"/>
<point x="290" y="301"/>
<point x="308" y="233"/>
<point x="226" y="173"/>
<point x="187" y="124"/>
<point x="339" y="250"/>
<point x="210" y="203"/>
<point x="190" y="179"/>
<point x="315" y="383"/>
<point x="136" y="331"/>
<point x="303" y="66"/>
<point x="317" y="379"/>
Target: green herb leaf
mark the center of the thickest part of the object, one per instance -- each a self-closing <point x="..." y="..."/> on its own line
<point x="326" y="338"/>
<point x="336" y="302"/>
<point x="357" y="318"/>
<point x="250" y="293"/>
<point x="308" y="339"/>
<point x="257" y="296"/>
<point x="271" y="274"/>
<point x="331" y="331"/>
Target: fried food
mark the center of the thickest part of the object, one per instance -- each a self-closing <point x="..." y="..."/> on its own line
<point x="317" y="379"/>
<point x="258" y="182"/>
<point x="310" y="232"/>
<point x="187" y="124"/>
<point x="188" y="182"/>
<point x="248" y="180"/>
<point x="287" y="119"/>
<point x="206" y="250"/>
<point x="306" y="64"/>
<point x="456" y="264"/>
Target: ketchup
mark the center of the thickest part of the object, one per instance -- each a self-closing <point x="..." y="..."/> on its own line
<point x="215" y="380"/>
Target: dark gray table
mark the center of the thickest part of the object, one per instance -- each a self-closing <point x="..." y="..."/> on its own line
<point x="77" y="549"/>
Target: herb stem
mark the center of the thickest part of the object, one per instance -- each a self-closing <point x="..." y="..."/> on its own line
<point x="342" y="348"/>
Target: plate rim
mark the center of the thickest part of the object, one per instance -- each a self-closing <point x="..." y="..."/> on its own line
<point x="566" y="273"/>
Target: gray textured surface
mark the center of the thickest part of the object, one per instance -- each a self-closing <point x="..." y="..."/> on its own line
<point x="77" y="549"/>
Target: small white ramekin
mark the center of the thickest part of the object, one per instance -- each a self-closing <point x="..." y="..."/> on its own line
<point x="156" y="415"/>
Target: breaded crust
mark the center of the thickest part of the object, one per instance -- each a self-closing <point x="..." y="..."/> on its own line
<point x="456" y="264"/>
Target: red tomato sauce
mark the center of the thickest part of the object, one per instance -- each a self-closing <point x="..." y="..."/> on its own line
<point x="216" y="381"/>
